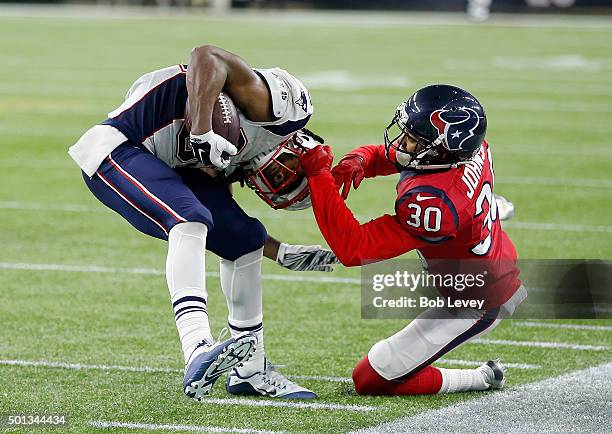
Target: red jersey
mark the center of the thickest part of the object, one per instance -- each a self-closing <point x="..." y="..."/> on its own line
<point x="455" y="212"/>
<point x="446" y="215"/>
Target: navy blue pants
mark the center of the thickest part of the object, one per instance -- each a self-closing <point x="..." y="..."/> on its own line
<point x="153" y="198"/>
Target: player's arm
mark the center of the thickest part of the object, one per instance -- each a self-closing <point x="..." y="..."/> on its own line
<point x="299" y="258"/>
<point x="375" y="161"/>
<point x="352" y="242"/>
<point x="367" y="161"/>
<point x="212" y="70"/>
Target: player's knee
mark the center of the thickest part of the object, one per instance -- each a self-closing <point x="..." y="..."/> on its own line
<point x="190" y="235"/>
<point x="367" y="381"/>
<point x="249" y="235"/>
<point x="256" y="235"/>
<point x="359" y="381"/>
<point x="242" y="236"/>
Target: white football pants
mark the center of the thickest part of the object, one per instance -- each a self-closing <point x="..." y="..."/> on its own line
<point x="434" y="333"/>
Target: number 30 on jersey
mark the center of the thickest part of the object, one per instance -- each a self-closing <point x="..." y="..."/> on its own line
<point x="429" y="218"/>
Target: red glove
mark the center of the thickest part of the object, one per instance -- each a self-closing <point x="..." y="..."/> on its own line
<point x="349" y="169"/>
<point x="317" y="160"/>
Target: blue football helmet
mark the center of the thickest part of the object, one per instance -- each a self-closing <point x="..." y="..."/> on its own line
<point x="447" y="122"/>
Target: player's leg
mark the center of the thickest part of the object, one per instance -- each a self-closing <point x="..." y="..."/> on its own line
<point x="238" y="240"/>
<point x="400" y="364"/>
<point x="154" y="199"/>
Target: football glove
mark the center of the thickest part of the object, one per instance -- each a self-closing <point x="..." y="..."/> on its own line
<point x="306" y="258"/>
<point x="349" y="169"/>
<point x="212" y="149"/>
<point x="317" y="160"/>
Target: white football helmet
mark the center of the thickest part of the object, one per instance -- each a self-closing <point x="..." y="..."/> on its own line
<point x="276" y="176"/>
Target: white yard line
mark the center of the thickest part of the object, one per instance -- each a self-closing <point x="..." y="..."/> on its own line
<point x="321" y="378"/>
<point x="342" y="82"/>
<point x="476" y="364"/>
<point x="561" y="326"/>
<point x="290" y="404"/>
<point x="48" y="164"/>
<point x="66" y="207"/>
<point x="574" y="402"/>
<point x="557" y="182"/>
<point x="81" y="366"/>
<point x="555" y="227"/>
<point x="560" y="345"/>
<point x="537" y="226"/>
<point x="80" y="268"/>
<point x="156" y="272"/>
<point x="173" y="427"/>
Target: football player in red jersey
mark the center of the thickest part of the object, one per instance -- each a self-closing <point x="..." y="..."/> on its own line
<point x="446" y="210"/>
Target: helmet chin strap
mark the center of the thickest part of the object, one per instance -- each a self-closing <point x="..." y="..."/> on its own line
<point x="439" y="140"/>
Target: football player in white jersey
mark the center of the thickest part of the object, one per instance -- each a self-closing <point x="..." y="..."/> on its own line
<point x="142" y="163"/>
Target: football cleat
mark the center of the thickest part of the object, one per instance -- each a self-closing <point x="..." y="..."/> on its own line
<point x="270" y="383"/>
<point x="505" y="208"/>
<point x="209" y="361"/>
<point x="493" y="373"/>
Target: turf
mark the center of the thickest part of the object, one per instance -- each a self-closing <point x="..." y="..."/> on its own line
<point x="546" y="92"/>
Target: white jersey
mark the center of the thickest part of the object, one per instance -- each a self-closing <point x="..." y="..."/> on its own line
<point x="152" y="116"/>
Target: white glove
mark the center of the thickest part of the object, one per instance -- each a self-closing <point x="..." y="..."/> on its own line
<point x="212" y="149"/>
<point x="306" y="258"/>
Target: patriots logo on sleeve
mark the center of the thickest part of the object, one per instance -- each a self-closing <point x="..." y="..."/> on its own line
<point x="456" y="126"/>
<point x="303" y="101"/>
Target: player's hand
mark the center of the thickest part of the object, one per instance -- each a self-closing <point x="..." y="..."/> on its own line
<point x="212" y="149"/>
<point x="349" y="169"/>
<point x="306" y="258"/>
<point x="317" y="160"/>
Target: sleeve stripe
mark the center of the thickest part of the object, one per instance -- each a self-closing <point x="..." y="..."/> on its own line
<point x="435" y="240"/>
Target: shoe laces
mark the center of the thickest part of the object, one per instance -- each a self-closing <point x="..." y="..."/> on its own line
<point x="204" y="343"/>
<point x="222" y="334"/>
<point x="274" y="378"/>
<point x="200" y="344"/>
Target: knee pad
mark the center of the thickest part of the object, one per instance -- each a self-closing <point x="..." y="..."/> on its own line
<point x="196" y="230"/>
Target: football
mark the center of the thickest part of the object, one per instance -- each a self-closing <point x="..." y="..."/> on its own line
<point x="225" y="120"/>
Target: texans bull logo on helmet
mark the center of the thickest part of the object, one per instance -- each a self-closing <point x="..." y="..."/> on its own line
<point x="455" y="126"/>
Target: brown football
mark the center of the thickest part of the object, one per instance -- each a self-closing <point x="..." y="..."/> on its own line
<point x="225" y="120"/>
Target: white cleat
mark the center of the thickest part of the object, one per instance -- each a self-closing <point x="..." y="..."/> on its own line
<point x="494" y="374"/>
<point x="505" y="208"/>
<point x="209" y="361"/>
<point x="270" y="383"/>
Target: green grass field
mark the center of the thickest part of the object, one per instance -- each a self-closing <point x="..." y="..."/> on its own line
<point x="547" y="93"/>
